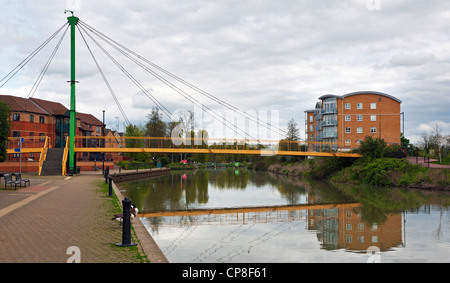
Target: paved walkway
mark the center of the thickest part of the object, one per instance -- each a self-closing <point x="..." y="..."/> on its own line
<point x="425" y="163"/>
<point x="59" y="219"/>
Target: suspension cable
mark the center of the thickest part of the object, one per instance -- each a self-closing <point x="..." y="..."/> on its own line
<point x="14" y="71"/>
<point x="47" y="64"/>
<point x="164" y="109"/>
<point x="104" y="78"/>
<point x="174" y="87"/>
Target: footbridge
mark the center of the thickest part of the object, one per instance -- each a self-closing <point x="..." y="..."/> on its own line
<point x="122" y="144"/>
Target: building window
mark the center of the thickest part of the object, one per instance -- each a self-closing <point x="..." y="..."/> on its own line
<point x="359" y="118"/>
<point x="16" y="116"/>
<point x="359" y="142"/>
<point x="31" y="118"/>
<point x="348" y="118"/>
<point x="373" y="129"/>
<point x="373" y="106"/>
<point x="31" y="136"/>
<point x="41" y="137"/>
<point x="311" y="138"/>
<point x="359" y="130"/>
<point x="374" y="239"/>
<point x="348" y="106"/>
<point x="361" y="226"/>
<point x="348" y="227"/>
<point x="311" y="128"/>
<point x="348" y="141"/>
<point x="358" y="105"/>
<point x="347" y="130"/>
<point x="311" y="118"/>
<point x="16" y="134"/>
<point x="348" y="239"/>
<point x="41" y="119"/>
<point x="360" y="239"/>
<point x="373" y="118"/>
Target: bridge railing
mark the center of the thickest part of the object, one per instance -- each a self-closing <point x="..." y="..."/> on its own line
<point x="29" y="143"/>
<point x="207" y="145"/>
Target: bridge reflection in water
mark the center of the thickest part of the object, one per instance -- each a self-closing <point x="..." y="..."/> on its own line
<point x="214" y="215"/>
<point x="337" y="226"/>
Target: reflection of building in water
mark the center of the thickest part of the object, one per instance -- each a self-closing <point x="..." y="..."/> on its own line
<point x="343" y="228"/>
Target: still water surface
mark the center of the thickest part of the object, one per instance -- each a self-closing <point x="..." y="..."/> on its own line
<point x="228" y="215"/>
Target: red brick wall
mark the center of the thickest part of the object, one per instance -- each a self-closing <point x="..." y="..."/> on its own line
<point x="387" y="115"/>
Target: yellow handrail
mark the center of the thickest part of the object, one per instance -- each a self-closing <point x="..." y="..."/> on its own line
<point x="64" y="161"/>
<point x="43" y="154"/>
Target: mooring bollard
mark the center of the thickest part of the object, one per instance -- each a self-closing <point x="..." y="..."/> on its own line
<point x="110" y="186"/>
<point x="126" y="224"/>
<point x="106" y="177"/>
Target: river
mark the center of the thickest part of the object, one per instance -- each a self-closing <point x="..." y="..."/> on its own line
<point x="228" y="215"/>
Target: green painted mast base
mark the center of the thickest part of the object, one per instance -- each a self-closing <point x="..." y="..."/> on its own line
<point x="73" y="122"/>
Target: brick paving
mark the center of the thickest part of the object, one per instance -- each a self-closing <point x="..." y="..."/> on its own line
<point x="421" y="161"/>
<point x="41" y="222"/>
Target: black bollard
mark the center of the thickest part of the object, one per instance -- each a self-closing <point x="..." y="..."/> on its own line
<point x="106" y="177"/>
<point x="110" y="186"/>
<point x="126" y="225"/>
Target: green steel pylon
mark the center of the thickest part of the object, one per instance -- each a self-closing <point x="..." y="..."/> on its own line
<point x="73" y="123"/>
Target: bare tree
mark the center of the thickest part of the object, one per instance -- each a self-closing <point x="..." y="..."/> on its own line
<point x="438" y="139"/>
<point x="292" y="131"/>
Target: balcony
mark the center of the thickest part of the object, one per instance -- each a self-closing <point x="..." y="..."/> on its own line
<point x="329" y="135"/>
<point x="329" y="110"/>
<point x="327" y="123"/>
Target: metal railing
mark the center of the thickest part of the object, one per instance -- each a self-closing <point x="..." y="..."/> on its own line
<point x="64" y="160"/>
<point x="43" y="154"/>
<point x="208" y="145"/>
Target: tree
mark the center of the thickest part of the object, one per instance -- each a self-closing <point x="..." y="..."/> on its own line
<point x="155" y="126"/>
<point x="292" y="131"/>
<point x="136" y="131"/>
<point x="438" y="139"/>
<point x="371" y="148"/>
<point x="5" y="129"/>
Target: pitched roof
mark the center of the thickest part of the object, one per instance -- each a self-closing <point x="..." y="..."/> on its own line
<point x="89" y="119"/>
<point x="54" y="108"/>
<point x="21" y="104"/>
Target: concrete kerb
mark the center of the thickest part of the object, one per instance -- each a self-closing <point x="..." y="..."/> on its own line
<point x="145" y="241"/>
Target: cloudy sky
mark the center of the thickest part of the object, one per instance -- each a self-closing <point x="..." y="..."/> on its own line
<point x="257" y="55"/>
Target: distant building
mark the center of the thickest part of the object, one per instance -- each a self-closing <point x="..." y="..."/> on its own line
<point x="344" y="121"/>
<point x="33" y="119"/>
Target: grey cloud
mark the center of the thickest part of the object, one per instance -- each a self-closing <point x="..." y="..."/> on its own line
<point x="253" y="54"/>
<point x="412" y="59"/>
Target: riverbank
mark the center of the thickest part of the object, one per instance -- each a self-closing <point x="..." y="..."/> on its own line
<point x="379" y="172"/>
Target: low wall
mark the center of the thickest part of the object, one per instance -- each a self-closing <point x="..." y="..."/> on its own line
<point x="14" y="166"/>
<point x="141" y="174"/>
<point x="94" y="165"/>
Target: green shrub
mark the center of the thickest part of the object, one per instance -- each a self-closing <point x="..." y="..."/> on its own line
<point x="260" y="165"/>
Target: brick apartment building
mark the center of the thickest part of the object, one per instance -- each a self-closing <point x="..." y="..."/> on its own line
<point x="344" y="121"/>
<point x="33" y="119"/>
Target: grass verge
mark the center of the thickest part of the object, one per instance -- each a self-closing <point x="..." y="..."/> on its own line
<point x="114" y="207"/>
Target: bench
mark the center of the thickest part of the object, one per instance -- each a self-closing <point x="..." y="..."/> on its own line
<point x="9" y="181"/>
<point x="19" y="178"/>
